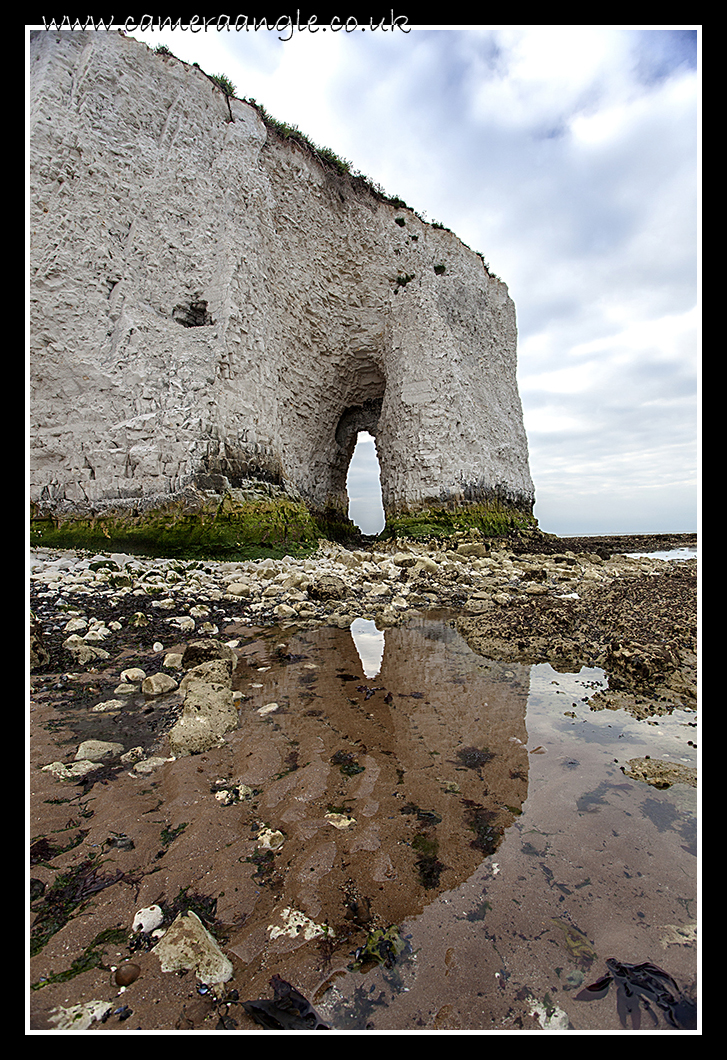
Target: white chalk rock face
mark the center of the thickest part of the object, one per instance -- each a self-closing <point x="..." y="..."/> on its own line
<point x="211" y="303"/>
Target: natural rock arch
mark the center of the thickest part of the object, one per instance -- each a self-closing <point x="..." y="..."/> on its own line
<point x="213" y="304"/>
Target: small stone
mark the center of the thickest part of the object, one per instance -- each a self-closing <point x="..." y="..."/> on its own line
<point x="472" y="549"/>
<point x="193" y="735"/>
<point x="97" y="750"/>
<point x="239" y="589"/>
<point x="340" y="820"/>
<point x="297" y="925"/>
<point x="97" y="634"/>
<point x="148" y="919"/>
<point x="328" y="587"/>
<point x="63" y="772"/>
<point x="269" y="708"/>
<point x="79" y="1017"/>
<point x="188" y="946"/>
<point x="660" y="774"/>
<point x="108" y="705"/>
<point x="158" y="685"/>
<point x="135" y="754"/>
<point x="270" y="840"/>
<point x="133" y="675"/>
<point x="284" y="611"/>
<point x="405" y="559"/>
<point x="148" y="765"/>
<point x="83" y="652"/>
<point x="199" y="651"/>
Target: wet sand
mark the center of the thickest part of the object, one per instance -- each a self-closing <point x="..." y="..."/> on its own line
<point x="474" y="811"/>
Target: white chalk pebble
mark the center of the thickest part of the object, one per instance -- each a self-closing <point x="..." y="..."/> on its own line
<point x="146" y="920"/>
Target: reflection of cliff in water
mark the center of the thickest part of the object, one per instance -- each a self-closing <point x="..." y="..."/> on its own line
<point x="389" y="789"/>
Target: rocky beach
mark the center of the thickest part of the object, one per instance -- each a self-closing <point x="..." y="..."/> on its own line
<point x="238" y="821"/>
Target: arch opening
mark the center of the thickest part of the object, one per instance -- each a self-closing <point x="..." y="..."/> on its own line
<point x="363" y="486"/>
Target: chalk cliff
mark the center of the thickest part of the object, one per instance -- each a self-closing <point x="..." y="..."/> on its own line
<point x="212" y="303"/>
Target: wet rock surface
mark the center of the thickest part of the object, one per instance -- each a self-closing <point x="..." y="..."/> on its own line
<point x="315" y="838"/>
<point x="635" y="617"/>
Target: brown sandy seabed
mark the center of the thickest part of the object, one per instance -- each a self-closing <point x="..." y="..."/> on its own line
<point x="493" y="829"/>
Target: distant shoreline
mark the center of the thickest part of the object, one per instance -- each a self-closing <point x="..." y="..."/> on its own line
<point x="608" y="544"/>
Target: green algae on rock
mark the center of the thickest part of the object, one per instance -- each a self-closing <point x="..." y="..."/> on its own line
<point x="491" y="518"/>
<point x="240" y="524"/>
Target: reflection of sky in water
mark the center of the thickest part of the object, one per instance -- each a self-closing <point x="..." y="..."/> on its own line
<point x="688" y="552"/>
<point x="369" y="643"/>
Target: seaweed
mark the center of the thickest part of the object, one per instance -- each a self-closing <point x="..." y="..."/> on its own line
<point x="474" y="757"/>
<point x="43" y="851"/>
<point x="67" y="892"/>
<point x="429" y="867"/>
<point x="481" y="821"/>
<point x="369" y="692"/>
<point x="169" y="834"/>
<point x="287" y="1011"/>
<point x="643" y="984"/>
<point x="92" y="957"/>
<point x="382" y="947"/>
<point x="202" y="905"/>
<point x="346" y="761"/>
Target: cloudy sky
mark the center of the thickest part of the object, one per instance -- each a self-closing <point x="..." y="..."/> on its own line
<point x="569" y="156"/>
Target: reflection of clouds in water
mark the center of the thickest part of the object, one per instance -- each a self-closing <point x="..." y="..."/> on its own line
<point x="369" y="643"/>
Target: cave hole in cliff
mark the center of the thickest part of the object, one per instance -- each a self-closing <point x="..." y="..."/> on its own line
<point x="193" y="314"/>
<point x="363" y="485"/>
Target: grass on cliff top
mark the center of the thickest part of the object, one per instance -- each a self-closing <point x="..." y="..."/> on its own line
<point x="324" y="154"/>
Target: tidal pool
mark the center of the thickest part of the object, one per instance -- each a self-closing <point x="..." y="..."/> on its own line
<point x="415" y="837"/>
<point x="481" y="808"/>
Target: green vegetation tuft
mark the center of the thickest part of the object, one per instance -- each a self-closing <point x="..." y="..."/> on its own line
<point x="403" y="279"/>
<point x="332" y="159"/>
<point x="224" y="84"/>
<point x="324" y="154"/>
